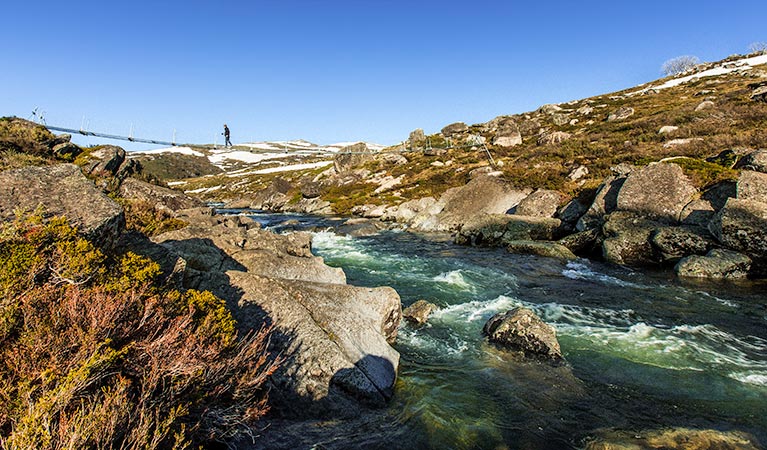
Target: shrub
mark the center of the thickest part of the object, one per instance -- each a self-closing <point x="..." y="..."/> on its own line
<point x="146" y="218"/>
<point x="108" y="359"/>
<point x="675" y="66"/>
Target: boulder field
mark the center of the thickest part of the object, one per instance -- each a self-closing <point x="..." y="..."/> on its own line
<point x="639" y="217"/>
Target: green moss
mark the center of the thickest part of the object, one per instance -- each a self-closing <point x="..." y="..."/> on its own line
<point x="704" y="174"/>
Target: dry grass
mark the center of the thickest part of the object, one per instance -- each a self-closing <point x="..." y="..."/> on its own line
<point x="97" y="358"/>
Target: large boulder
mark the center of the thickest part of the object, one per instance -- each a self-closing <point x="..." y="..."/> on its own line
<point x="351" y="157"/>
<point x="162" y="197"/>
<point x="520" y="329"/>
<point x="742" y="226"/>
<point x="676" y="242"/>
<point x="417" y="137"/>
<point x="541" y="248"/>
<point x="659" y="191"/>
<point x="419" y="312"/>
<point x="62" y="190"/>
<point x="605" y="202"/>
<point x="752" y="186"/>
<point x="482" y="195"/>
<point x="541" y="203"/>
<point x="756" y="161"/>
<point x="627" y="239"/>
<point x="507" y="132"/>
<point x="717" y="264"/>
<point x="497" y="230"/>
<point x="407" y="211"/>
<point x="106" y="160"/>
<point x="455" y="128"/>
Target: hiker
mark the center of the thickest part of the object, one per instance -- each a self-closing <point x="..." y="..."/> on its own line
<point x="228" y="143"/>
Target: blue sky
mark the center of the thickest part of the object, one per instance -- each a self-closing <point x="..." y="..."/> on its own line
<point x="330" y="71"/>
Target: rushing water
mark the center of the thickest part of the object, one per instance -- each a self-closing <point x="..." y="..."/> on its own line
<point x="644" y="350"/>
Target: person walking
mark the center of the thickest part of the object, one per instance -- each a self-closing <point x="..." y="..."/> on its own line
<point x="228" y="143"/>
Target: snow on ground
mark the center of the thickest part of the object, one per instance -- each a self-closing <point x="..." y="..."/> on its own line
<point x="724" y="68"/>
<point x="182" y="150"/>
<point x="289" y="168"/>
<point x="203" y="190"/>
<point x="244" y="156"/>
<point x="175" y="183"/>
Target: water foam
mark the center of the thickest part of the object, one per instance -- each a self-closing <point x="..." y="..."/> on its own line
<point x="580" y="271"/>
<point x="474" y="310"/>
<point x="456" y="279"/>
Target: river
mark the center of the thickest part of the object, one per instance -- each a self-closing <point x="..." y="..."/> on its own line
<point x="644" y="350"/>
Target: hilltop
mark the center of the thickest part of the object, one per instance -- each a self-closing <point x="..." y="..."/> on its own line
<point x="569" y="146"/>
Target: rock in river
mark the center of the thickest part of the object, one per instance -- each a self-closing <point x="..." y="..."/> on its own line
<point x="521" y="329"/>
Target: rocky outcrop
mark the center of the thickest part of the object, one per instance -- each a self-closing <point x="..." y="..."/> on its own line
<point x="351" y="156"/>
<point x="658" y="191"/>
<point x="520" y="329"/>
<point x="759" y="94"/>
<point x="704" y="105"/>
<point x="741" y="225"/>
<point x="541" y="203"/>
<point x="162" y="197"/>
<point x="667" y="129"/>
<point x="62" y="190"/>
<point x="334" y="338"/>
<point x="507" y="132"/>
<point x="717" y="264"/>
<point x="419" y="312"/>
<point x="407" y="211"/>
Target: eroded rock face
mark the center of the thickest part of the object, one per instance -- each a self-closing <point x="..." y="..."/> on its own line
<point x="659" y="191"/>
<point x="717" y="264"/>
<point x="605" y="202"/>
<point x="62" y="190"/>
<point x="520" y="329"/>
<point x="164" y="198"/>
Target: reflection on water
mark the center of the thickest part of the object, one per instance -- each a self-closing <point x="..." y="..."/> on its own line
<point x="645" y="351"/>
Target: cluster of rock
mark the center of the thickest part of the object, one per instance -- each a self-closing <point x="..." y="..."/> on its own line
<point x="641" y="216"/>
<point x="334" y="339"/>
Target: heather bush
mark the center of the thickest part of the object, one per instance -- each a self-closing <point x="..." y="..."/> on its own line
<point x="97" y="355"/>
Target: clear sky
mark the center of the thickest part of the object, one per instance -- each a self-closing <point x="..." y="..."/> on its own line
<point x="330" y="71"/>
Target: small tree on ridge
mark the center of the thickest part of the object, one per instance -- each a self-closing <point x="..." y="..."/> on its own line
<point x="758" y="47"/>
<point x="675" y="66"/>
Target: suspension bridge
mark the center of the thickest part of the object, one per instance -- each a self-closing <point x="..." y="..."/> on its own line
<point x="474" y="142"/>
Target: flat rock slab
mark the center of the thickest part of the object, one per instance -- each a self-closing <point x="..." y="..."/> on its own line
<point x="717" y="264"/>
<point x="541" y="248"/>
<point x="62" y="190"/>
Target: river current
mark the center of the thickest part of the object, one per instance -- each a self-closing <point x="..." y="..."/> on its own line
<point x="644" y="350"/>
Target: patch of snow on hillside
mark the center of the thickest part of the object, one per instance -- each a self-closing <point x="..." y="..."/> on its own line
<point x="182" y="150"/>
<point x="244" y="156"/>
<point x="725" y="68"/>
<point x="292" y="167"/>
<point x="203" y="190"/>
<point x="260" y="145"/>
